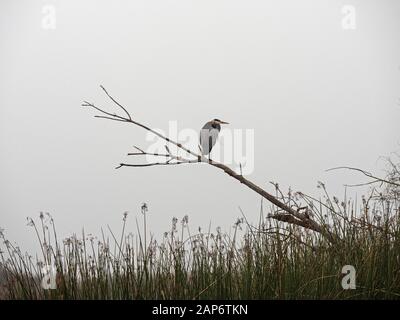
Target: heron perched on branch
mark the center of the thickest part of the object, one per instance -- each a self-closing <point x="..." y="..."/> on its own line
<point x="209" y="134"/>
<point x="208" y="137"/>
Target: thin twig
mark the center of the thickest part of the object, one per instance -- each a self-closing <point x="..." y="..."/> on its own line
<point x="118" y="104"/>
<point x="366" y="173"/>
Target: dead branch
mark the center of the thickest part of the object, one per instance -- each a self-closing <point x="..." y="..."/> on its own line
<point x="291" y="215"/>
<point x="284" y="217"/>
<point x="367" y="174"/>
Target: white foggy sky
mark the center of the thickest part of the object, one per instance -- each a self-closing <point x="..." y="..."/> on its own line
<point x="317" y="96"/>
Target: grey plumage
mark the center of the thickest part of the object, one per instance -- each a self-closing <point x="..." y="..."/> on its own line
<point x="209" y="134"/>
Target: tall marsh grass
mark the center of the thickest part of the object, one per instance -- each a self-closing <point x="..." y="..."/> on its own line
<point x="271" y="260"/>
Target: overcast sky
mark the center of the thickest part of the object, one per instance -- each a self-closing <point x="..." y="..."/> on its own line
<point x="318" y="88"/>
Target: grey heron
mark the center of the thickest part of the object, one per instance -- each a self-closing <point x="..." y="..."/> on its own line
<point x="209" y="134"/>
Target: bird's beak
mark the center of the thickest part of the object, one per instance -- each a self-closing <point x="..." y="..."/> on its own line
<point x="223" y="122"/>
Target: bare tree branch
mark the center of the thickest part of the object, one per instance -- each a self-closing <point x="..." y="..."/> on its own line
<point x="113" y="100"/>
<point x="369" y="175"/>
<point x="109" y="118"/>
<point x="292" y="220"/>
<point x="363" y="184"/>
<point x="154" y="164"/>
<point x="291" y="216"/>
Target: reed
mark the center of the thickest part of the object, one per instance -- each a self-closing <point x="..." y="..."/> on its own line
<point x="271" y="260"/>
